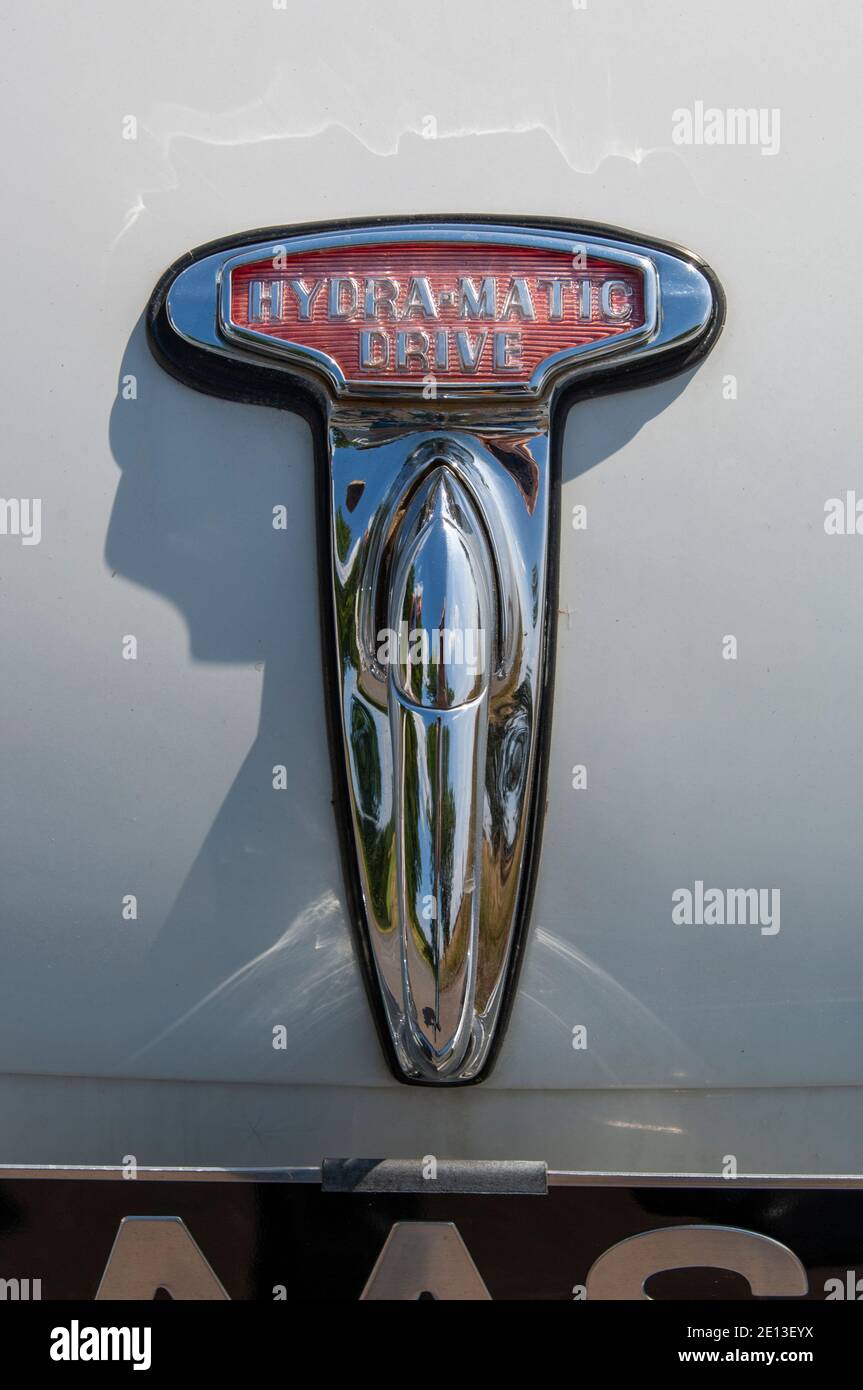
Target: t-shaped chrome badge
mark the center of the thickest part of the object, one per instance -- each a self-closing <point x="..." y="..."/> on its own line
<point x="434" y="355"/>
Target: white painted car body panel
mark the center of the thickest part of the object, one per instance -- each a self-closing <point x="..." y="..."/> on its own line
<point x="705" y="518"/>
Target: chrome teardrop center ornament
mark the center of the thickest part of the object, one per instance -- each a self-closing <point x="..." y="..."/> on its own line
<point x="443" y="611"/>
<point x="441" y="602"/>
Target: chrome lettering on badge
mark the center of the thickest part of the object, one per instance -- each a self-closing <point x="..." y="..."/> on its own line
<point x="435" y="353"/>
<point x="488" y="300"/>
<point x="500" y="314"/>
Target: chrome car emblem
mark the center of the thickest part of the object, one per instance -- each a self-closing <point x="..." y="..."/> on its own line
<point x="436" y="354"/>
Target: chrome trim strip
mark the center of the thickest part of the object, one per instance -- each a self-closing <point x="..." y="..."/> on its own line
<point x="108" y="1171"/>
<point x="753" y="1180"/>
<point x="556" y="1178"/>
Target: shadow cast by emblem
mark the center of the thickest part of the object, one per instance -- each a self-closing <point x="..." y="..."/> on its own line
<point x="256" y="936"/>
